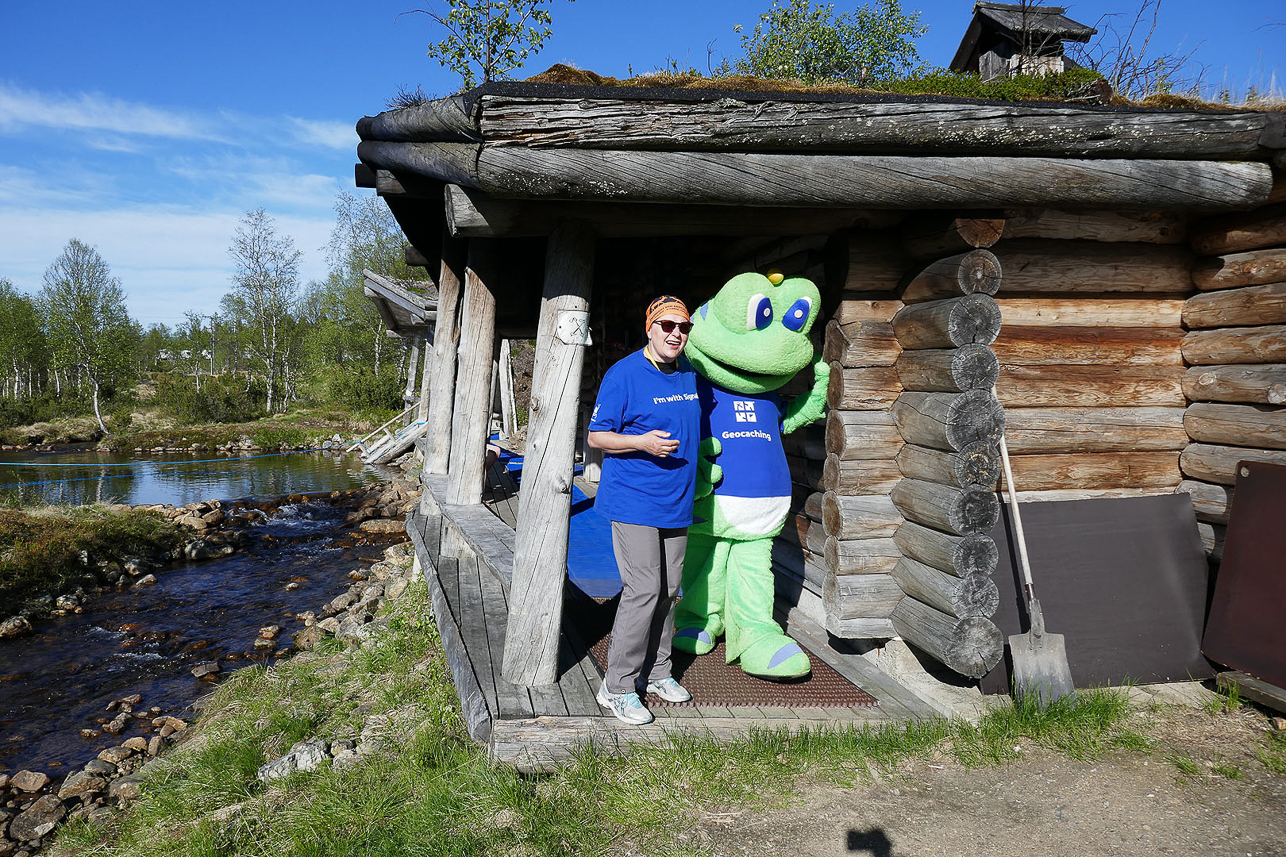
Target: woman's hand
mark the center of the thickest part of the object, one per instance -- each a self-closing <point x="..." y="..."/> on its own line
<point x="658" y="443"/>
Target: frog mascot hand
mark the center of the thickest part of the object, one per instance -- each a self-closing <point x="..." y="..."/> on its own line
<point x="746" y="342"/>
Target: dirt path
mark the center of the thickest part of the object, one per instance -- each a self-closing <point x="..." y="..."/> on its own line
<point x="1126" y="803"/>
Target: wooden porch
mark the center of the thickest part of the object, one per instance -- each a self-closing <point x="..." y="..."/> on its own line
<point x="534" y="728"/>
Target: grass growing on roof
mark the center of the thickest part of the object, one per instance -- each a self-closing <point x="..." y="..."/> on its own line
<point x="431" y="791"/>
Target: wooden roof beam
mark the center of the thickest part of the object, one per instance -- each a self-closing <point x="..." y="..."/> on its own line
<point x="471" y="213"/>
<point x="920" y="125"/>
<point x="822" y="181"/>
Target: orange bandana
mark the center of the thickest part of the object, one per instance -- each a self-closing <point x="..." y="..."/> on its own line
<point x="663" y="305"/>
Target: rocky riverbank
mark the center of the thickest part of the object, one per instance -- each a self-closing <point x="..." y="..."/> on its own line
<point x="33" y="804"/>
<point x="193" y="533"/>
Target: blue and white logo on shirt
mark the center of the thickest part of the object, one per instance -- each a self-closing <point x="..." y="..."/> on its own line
<point x="744" y="411"/>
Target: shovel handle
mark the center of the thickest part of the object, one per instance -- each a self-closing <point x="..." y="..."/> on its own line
<point x="1018" y="525"/>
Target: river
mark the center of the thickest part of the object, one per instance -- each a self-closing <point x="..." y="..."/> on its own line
<point x="59" y="680"/>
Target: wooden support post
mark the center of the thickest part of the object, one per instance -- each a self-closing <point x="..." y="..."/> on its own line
<point x="426" y="375"/>
<point x="446" y="336"/>
<point x="412" y="366"/>
<point x="508" y="417"/>
<point x="544" y="504"/>
<point x="472" y="417"/>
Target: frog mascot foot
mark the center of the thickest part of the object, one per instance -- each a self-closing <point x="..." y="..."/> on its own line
<point x="745" y="344"/>
<point x="694" y="641"/>
<point x="776" y="659"/>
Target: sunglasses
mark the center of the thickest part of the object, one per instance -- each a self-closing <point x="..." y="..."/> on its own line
<point x="667" y="326"/>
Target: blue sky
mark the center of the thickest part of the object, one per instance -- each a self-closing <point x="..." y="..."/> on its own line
<point x="148" y="128"/>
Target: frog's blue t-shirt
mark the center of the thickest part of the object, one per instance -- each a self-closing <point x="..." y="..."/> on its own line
<point x="636" y="398"/>
<point x="748" y="428"/>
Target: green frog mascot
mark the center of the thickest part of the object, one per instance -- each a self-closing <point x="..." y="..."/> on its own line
<point x="746" y="343"/>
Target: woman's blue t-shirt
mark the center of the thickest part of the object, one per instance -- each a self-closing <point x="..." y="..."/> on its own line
<point x="636" y="398"/>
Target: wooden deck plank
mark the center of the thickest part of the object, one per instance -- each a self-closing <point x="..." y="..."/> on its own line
<point x="473" y="703"/>
<point x="515" y="701"/>
<point x="449" y="580"/>
<point x="542" y="744"/>
<point x="578" y="690"/>
<point x="896" y="700"/>
<point x="473" y="629"/>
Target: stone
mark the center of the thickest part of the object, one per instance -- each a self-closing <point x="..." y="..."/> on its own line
<point x="125" y="789"/>
<point x="209" y="668"/>
<point x="134" y="566"/>
<point x="37" y="820"/>
<point x="261" y="644"/>
<point x="382" y="527"/>
<point x="304" y="756"/>
<point x="292" y="586"/>
<point x="203" y="549"/>
<point x="90" y="734"/>
<point x="66" y="602"/>
<point x="100" y="767"/>
<point x="309" y="637"/>
<point x="14" y="626"/>
<point x="29" y="781"/>
<point x="117" y="726"/>
<point x="340" y="602"/>
<point x="213" y="518"/>
<point x="4" y="781"/>
<point x="155" y="745"/>
<point x="268" y="632"/>
<point x="146" y="580"/>
<point x="115" y="755"/>
<point x="138" y="743"/>
<point x="395" y="589"/>
<point x="329" y="625"/>
<point x="79" y="784"/>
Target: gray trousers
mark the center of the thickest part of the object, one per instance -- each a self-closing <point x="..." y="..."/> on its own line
<point x="651" y="564"/>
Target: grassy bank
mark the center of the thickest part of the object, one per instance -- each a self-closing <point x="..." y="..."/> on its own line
<point x="430" y="791"/>
<point x="55" y="549"/>
<point x="150" y="429"/>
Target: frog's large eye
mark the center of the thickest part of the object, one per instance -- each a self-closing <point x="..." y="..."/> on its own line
<point x="758" y="313"/>
<point x="797" y="316"/>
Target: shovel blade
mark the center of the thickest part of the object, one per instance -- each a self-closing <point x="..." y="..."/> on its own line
<point x="1040" y="668"/>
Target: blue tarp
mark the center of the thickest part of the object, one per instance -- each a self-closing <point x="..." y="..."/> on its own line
<point x="591" y="564"/>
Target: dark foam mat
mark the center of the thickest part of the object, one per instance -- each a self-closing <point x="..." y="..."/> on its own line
<point x="714" y="682"/>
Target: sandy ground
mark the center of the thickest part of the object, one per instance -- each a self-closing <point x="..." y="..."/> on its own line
<point x="1125" y="803"/>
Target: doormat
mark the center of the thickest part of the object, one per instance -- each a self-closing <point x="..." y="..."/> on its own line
<point x="714" y="682"/>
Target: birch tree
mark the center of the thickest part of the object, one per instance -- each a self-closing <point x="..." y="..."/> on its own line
<point x="265" y="286"/>
<point x="90" y="330"/>
<point x="23" y="351"/>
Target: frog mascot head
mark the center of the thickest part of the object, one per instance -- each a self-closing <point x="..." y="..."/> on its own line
<point x="746" y="343"/>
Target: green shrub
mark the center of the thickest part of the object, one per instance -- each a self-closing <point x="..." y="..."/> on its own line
<point x="275" y="437"/>
<point x="222" y="399"/>
<point x="365" y="391"/>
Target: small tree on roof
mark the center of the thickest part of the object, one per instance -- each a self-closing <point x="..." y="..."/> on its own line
<point x="796" y="39"/>
<point x="489" y="37"/>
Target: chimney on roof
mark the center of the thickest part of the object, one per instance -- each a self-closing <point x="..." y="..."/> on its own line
<point x="1005" y="39"/>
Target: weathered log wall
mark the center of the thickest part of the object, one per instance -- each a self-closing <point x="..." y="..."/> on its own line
<point x="1236" y="351"/>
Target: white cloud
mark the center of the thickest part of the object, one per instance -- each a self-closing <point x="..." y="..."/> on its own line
<point x="169" y="260"/>
<point x="332" y="135"/>
<point x="21" y="108"/>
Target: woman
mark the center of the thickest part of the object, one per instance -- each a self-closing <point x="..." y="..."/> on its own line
<point x="647" y="419"/>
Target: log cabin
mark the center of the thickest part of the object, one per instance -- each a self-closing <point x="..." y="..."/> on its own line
<point x="1104" y="286"/>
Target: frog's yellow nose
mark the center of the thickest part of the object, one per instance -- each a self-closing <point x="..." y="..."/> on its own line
<point x="776" y="277"/>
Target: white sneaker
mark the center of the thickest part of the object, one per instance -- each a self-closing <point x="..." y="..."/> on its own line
<point x="627" y="707"/>
<point x="669" y="690"/>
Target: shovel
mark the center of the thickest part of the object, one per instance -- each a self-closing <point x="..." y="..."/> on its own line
<point x="1040" y="659"/>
